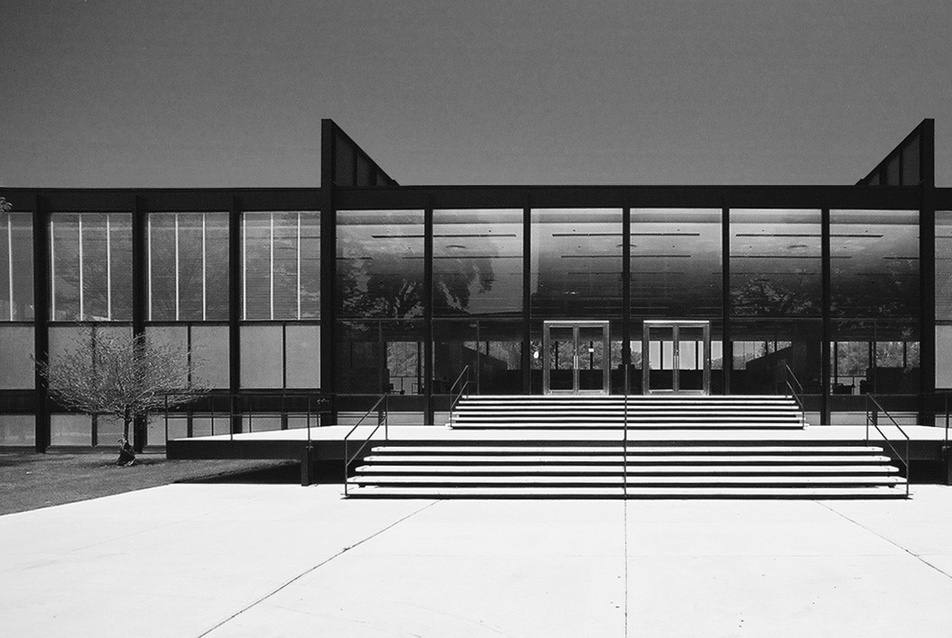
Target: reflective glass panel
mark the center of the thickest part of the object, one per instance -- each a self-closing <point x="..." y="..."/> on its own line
<point x="380" y="356"/>
<point x="576" y="263"/>
<point x="943" y="265"/>
<point x="763" y="349"/>
<point x="380" y="264"/>
<point x="675" y="262"/>
<point x="776" y="265"/>
<point x="477" y="262"/>
<point x="875" y="263"/>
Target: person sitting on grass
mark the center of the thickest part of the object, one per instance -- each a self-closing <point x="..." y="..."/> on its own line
<point x="127" y="455"/>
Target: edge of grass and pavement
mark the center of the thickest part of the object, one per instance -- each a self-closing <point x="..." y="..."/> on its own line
<point x="30" y="481"/>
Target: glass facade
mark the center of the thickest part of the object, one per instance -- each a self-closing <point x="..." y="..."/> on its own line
<point x="361" y="301"/>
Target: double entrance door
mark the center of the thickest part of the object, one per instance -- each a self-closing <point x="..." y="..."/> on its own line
<point x="576" y="357"/>
<point x="675" y="357"/>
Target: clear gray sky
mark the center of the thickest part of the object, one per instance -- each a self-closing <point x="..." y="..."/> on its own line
<point x="117" y="93"/>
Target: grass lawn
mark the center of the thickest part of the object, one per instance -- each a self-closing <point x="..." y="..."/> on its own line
<point x="30" y="481"/>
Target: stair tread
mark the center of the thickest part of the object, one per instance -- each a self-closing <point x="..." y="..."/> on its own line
<point x="690" y="480"/>
<point x="545" y="469"/>
<point x="631" y="492"/>
<point x="617" y="458"/>
<point x="488" y="446"/>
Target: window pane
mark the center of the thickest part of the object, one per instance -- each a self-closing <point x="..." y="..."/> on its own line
<point x="303" y="356"/>
<point x="16" y="352"/>
<point x="910" y="163"/>
<point x="71" y="429"/>
<point x="776" y="265"/>
<point x="576" y="262"/>
<point x="262" y="360"/>
<point x="17" y="430"/>
<point x="210" y="355"/>
<point x="380" y="264"/>
<point x="943" y="265"/>
<point x="943" y="356"/>
<point x="675" y="263"/>
<point x="380" y="356"/>
<point x="16" y="267"/>
<point x="477" y="262"/>
<point x="764" y="348"/>
<point x="92" y="266"/>
<point x="282" y="255"/>
<point x="875" y="263"/>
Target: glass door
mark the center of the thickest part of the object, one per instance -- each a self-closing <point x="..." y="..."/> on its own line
<point x="676" y="357"/>
<point x="576" y="357"/>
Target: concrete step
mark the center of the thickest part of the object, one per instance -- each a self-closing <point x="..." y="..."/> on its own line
<point x="570" y="422"/>
<point x="613" y="479"/>
<point x="616" y="459"/>
<point x="480" y="447"/>
<point x="545" y="469"/>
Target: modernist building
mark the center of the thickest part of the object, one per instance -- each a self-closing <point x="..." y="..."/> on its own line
<point x="363" y="286"/>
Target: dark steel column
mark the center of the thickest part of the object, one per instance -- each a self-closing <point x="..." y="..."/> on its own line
<point x="41" y="312"/>
<point x="234" y="311"/>
<point x="927" y="260"/>
<point x="526" y="297"/>
<point x="625" y="295"/>
<point x="428" y="309"/>
<point x="140" y="291"/>
<point x="328" y="272"/>
<point x="827" y="324"/>
<point x="727" y="347"/>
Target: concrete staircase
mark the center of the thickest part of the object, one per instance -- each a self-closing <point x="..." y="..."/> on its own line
<point x="674" y="447"/>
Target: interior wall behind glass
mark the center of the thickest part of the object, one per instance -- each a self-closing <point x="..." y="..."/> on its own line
<point x="188" y="266"/>
<point x="489" y="351"/>
<point x="281" y="265"/>
<point x="373" y="357"/>
<point x="763" y="349"/>
<point x="380" y="264"/>
<point x="943" y="265"/>
<point x="477" y="262"/>
<point x="91" y="256"/>
<point x="875" y="263"/>
<point x="675" y="263"/>
<point x="776" y="267"/>
<point x="576" y="262"/>
<point x="16" y="266"/>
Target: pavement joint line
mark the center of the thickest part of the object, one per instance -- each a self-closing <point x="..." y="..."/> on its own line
<point x="888" y="540"/>
<point x="625" y="527"/>
<point x="314" y="567"/>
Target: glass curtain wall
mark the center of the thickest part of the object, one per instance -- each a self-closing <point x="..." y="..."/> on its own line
<point x="477" y="299"/>
<point x="280" y="303"/>
<point x="776" y="277"/>
<point x="575" y="273"/>
<point x="381" y="332"/>
<point x="943" y="299"/>
<point x="676" y="274"/>
<point x="16" y="317"/>
<point x="875" y="301"/>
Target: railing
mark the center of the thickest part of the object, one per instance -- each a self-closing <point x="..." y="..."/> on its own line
<point x="796" y="394"/>
<point x="383" y="418"/>
<point x="458" y="395"/>
<point x="236" y="409"/>
<point x="873" y="408"/>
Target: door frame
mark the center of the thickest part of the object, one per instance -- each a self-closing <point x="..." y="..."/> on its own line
<point x="675" y="325"/>
<point x="575" y="325"/>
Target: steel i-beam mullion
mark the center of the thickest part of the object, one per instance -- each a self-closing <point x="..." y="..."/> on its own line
<point x="727" y="346"/>
<point x="428" y="310"/>
<point x="625" y="300"/>
<point x="41" y="318"/>
<point x="827" y="324"/>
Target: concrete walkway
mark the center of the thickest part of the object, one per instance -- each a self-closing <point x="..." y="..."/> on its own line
<point x="281" y="560"/>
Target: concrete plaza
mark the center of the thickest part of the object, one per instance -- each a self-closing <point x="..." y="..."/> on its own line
<point x="281" y="560"/>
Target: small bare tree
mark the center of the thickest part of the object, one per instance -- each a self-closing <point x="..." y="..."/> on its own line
<point x="121" y="375"/>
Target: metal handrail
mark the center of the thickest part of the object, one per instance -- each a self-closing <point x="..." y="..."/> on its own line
<point x="384" y="421"/>
<point x="872" y="418"/>
<point x="796" y="395"/>
<point x="459" y="395"/>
